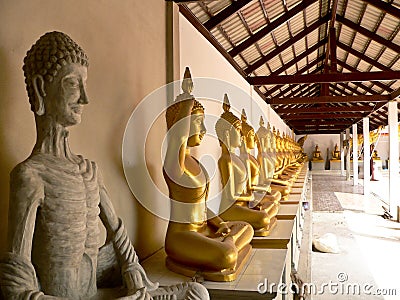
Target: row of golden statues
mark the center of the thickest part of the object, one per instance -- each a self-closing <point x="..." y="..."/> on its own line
<point x="58" y="198"/>
<point x="253" y="188"/>
<point x="317" y="154"/>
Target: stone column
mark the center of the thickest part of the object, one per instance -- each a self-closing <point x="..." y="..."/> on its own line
<point x="367" y="156"/>
<point x="355" y="156"/>
<point x="393" y="160"/>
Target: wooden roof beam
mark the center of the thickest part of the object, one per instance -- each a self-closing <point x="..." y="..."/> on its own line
<point x="324" y="78"/>
<point x="324" y="109"/>
<point x="325" y="116"/>
<point x="304" y="93"/>
<point x="348" y="87"/>
<point x="377" y="83"/>
<point x="386" y="7"/>
<point x="301" y="71"/>
<point x="286" y="44"/>
<point x="362" y="56"/>
<point x="333" y="131"/>
<point x="300" y="57"/>
<point x="271" y="27"/>
<point x="225" y="13"/>
<point x="331" y="99"/>
<point x="368" y="34"/>
<point x="340" y="90"/>
<point x="292" y="93"/>
<point x="187" y="13"/>
<point x="299" y="123"/>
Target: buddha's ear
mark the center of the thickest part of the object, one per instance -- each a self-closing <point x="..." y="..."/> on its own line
<point x="38" y="102"/>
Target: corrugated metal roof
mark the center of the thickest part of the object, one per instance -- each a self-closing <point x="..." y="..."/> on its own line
<point x="238" y="34"/>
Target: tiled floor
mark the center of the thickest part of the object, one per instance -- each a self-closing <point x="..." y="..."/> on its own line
<point x="369" y="245"/>
<point x="324" y="186"/>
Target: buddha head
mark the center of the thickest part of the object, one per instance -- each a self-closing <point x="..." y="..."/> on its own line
<point x="248" y="132"/>
<point x="263" y="136"/>
<point x="228" y="127"/>
<point x="55" y="70"/>
<point x="197" y="129"/>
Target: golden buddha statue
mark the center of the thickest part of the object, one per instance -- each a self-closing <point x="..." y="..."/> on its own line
<point x="197" y="241"/>
<point x="263" y="190"/>
<point x="375" y="155"/>
<point x="237" y="197"/>
<point x="266" y="157"/>
<point x="336" y="153"/>
<point x="283" y="164"/>
<point x="317" y="154"/>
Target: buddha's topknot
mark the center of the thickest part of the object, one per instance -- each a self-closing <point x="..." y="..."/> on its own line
<point x="48" y="55"/>
<point x="173" y="110"/>
<point x="226" y="121"/>
<point x="246" y="127"/>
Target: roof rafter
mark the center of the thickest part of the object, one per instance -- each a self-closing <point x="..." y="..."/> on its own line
<point x="271" y="27"/>
<point x="287" y="44"/>
<point x="362" y="56"/>
<point x="324" y="116"/>
<point x="302" y="70"/>
<point x="314" y="123"/>
<point x="331" y="99"/>
<point x="300" y="57"/>
<point x="386" y="7"/>
<point x="324" y="78"/>
<point x="224" y="14"/>
<point x="368" y="34"/>
<point x="324" y="109"/>
<point x="354" y="70"/>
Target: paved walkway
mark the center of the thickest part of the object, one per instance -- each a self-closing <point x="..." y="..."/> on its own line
<point x="369" y="257"/>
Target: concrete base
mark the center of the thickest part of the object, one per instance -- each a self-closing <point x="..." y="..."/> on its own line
<point x="335" y="164"/>
<point x="318" y="165"/>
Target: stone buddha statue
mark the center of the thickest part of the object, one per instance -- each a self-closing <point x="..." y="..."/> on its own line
<point x="58" y="198"/>
<point x="336" y="153"/>
<point x="197" y="241"/>
<point x="317" y="154"/>
<point x="263" y="190"/>
<point x="237" y="200"/>
<point x="266" y="157"/>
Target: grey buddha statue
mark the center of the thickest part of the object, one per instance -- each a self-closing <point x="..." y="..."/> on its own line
<point x="58" y="198"/>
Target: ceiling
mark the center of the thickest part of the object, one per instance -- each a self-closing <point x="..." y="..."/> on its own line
<point x="322" y="65"/>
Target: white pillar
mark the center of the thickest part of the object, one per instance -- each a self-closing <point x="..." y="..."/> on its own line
<point x="355" y="159"/>
<point x="393" y="160"/>
<point x="367" y="156"/>
<point x="341" y="154"/>
<point x="348" y="154"/>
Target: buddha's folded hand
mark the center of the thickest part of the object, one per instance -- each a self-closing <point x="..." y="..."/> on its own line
<point x="223" y="229"/>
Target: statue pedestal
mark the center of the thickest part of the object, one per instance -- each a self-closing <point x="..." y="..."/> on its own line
<point x="334" y="164"/>
<point x="318" y="165"/>
<point x="278" y="262"/>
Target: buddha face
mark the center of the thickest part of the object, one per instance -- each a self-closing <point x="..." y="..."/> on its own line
<point x="66" y="94"/>
<point x="235" y="136"/>
<point x="197" y="128"/>
<point x="250" y="140"/>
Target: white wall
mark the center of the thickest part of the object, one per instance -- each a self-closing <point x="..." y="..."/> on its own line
<point x="125" y="43"/>
<point x="324" y="141"/>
